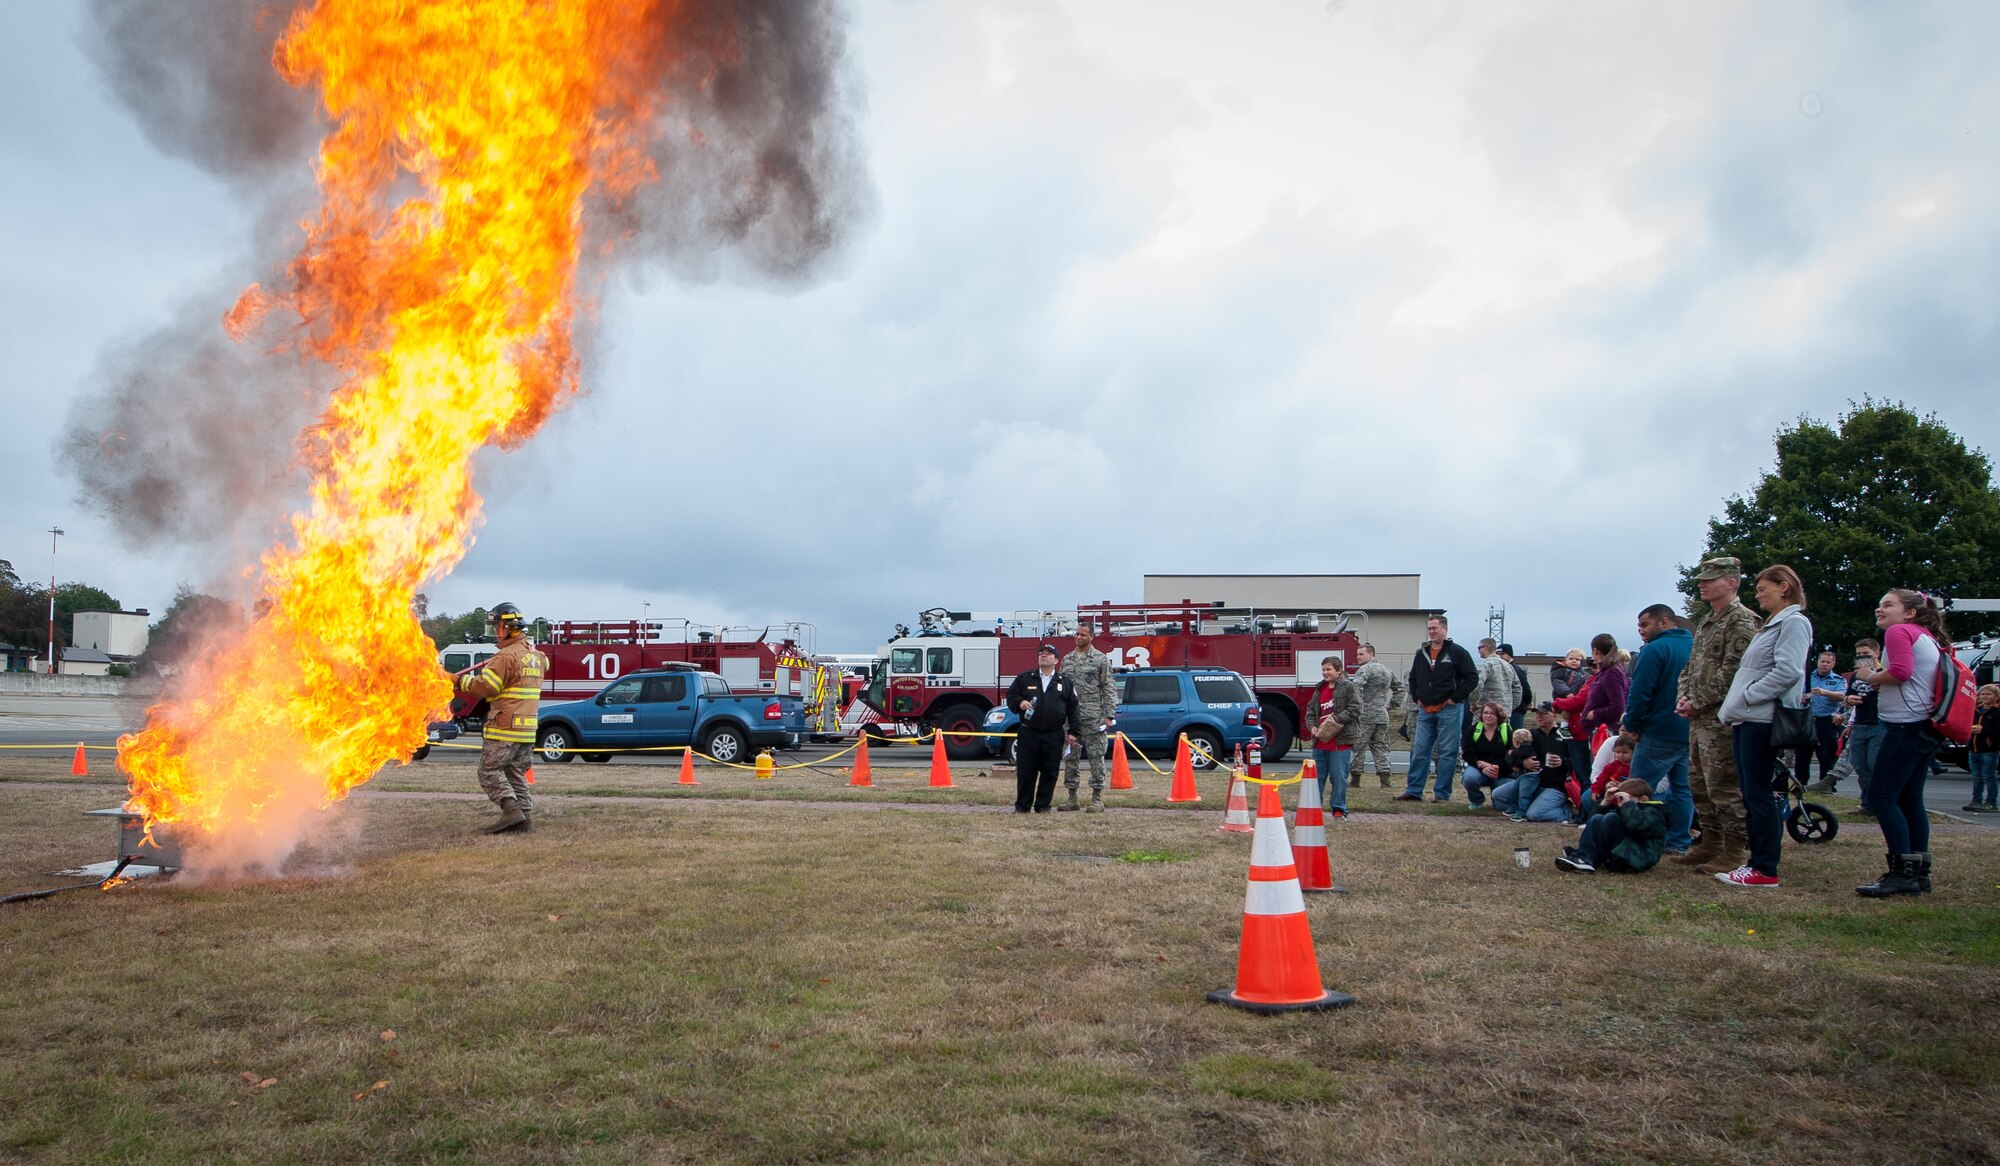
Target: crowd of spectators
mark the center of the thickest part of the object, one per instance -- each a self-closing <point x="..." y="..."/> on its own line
<point x="1635" y="750"/>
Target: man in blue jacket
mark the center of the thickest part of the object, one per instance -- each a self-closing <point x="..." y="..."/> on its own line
<point x="1658" y="734"/>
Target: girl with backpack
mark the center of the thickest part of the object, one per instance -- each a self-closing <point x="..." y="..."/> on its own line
<point x="1913" y="647"/>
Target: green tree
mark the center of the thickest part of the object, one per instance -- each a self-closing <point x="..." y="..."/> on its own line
<point x="455" y="629"/>
<point x="187" y="623"/>
<point x="1886" y="499"/>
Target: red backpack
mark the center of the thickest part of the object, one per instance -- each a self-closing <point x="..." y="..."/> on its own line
<point x="1953" y="711"/>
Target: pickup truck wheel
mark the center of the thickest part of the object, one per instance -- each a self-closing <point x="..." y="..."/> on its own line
<point x="1204" y="740"/>
<point x="727" y="743"/>
<point x="600" y="758"/>
<point x="556" y="744"/>
<point x="1278" y="731"/>
<point x="961" y="724"/>
<point x="422" y="752"/>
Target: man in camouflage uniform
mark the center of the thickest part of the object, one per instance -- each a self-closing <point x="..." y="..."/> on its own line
<point x="1720" y="637"/>
<point x="1381" y="693"/>
<point x="1089" y="670"/>
<point x="511" y="682"/>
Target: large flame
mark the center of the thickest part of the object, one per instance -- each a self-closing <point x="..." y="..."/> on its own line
<point x="439" y="278"/>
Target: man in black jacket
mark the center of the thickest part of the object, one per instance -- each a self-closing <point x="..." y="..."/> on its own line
<point x="1442" y="676"/>
<point x="1046" y="700"/>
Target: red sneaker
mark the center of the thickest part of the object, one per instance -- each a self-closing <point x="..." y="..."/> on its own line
<point x="1336" y="814"/>
<point x="1744" y="876"/>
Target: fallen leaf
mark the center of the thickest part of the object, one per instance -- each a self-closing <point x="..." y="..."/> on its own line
<point x="161" y="933"/>
<point x="824" y="980"/>
<point x="379" y="1085"/>
<point x="776" y="1045"/>
<point x="234" y="1104"/>
<point x="666" y="1103"/>
<point x="388" y="1034"/>
<point x="267" y="1082"/>
<point x="395" y="1052"/>
<point x="361" y="1095"/>
<point x="555" y="917"/>
<point x="251" y="1078"/>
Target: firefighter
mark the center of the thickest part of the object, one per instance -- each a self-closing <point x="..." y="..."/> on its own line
<point x="511" y="680"/>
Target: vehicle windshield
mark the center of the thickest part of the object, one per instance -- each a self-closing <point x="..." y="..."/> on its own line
<point x="1220" y="690"/>
<point x="907" y="661"/>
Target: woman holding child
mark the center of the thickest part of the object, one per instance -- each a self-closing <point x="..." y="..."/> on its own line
<point x="1913" y="647"/>
<point x="1772" y="670"/>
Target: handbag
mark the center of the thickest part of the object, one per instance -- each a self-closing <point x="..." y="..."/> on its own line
<point x="1327" y="729"/>
<point x="1792" y="728"/>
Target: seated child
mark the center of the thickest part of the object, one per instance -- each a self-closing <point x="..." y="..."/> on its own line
<point x="1629" y="839"/>
<point x="1608" y="778"/>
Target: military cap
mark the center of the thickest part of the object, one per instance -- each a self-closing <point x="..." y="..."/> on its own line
<point x="1718" y="568"/>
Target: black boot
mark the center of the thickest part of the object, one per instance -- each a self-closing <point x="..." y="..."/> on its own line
<point x="1922" y="862"/>
<point x="1901" y="879"/>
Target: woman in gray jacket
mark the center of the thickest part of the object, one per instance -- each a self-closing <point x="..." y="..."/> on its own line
<point x="1773" y="669"/>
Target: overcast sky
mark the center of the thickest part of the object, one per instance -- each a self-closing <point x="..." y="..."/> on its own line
<point x="1509" y="295"/>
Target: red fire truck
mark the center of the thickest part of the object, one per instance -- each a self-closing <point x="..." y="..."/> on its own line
<point x="584" y="654"/>
<point x="957" y="665"/>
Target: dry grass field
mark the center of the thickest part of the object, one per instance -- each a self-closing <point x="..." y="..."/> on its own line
<point x="658" y="977"/>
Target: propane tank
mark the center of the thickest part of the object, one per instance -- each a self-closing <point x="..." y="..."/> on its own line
<point x="765" y="766"/>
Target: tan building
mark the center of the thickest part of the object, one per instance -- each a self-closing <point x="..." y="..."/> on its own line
<point x="1394" y="613"/>
<point x="121" y="635"/>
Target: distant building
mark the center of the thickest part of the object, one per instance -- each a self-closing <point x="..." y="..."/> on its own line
<point x="15" y="658"/>
<point x="121" y="635"/>
<point x="85" y="662"/>
<point x="1396" y="615"/>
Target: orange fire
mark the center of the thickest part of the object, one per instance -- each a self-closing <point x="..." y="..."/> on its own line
<point x="439" y="278"/>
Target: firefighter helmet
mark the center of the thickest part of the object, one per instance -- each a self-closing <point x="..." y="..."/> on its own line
<point x="504" y="616"/>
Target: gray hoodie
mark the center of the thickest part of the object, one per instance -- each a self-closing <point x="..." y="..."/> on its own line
<point x="1773" y="667"/>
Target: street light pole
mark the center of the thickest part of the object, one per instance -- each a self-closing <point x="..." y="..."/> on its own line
<point x="55" y="532"/>
<point x="645" y="613"/>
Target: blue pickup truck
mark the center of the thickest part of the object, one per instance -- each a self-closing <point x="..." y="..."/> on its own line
<point x="669" y="707"/>
<point x="1156" y="705"/>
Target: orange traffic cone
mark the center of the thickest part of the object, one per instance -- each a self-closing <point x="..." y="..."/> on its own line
<point x="529" y="776"/>
<point x="940" y="768"/>
<point x="863" y="775"/>
<point x="1182" y="789"/>
<point x="1236" y="808"/>
<point x="1276" y="968"/>
<point x="1121" y="770"/>
<point x="1309" y="836"/>
<point x="687" y="768"/>
<point x="78" y="767"/>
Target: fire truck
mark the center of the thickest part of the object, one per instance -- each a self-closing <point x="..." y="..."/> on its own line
<point x="584" y="654"/>
<point x="957" y="664"/>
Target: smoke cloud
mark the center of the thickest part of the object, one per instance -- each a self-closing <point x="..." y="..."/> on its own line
<point x="188" y="438"/>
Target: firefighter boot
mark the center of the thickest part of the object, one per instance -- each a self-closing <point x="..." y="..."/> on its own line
<point x="1096" y="805"/>
<point x="1354" y="780"/>
<point x="1385" y="779"/>
<point x="511" y="817"/>
<point x="1069" y="805"/>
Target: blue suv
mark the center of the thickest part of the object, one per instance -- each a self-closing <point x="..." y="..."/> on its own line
<point x="1213" y="706"/>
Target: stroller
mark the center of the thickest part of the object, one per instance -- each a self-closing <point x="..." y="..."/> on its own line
<point x="1805" y="821"/>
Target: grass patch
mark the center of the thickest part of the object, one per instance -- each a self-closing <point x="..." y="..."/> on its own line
<point x="1155" y="856"/>
<point x="711" y="981"/>
<point x="1281" y="1081"/>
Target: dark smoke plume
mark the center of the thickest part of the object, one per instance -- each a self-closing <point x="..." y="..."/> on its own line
<point x="187" y="438"/>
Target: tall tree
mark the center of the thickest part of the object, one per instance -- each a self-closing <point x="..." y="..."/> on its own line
<point x="1886" y="499"/>
<point x="188" y="621"/>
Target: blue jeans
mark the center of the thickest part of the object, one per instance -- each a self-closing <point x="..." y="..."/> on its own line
<point x="1896" y="793"/>
<point x="1526" y="797"/>
<point x="1437" y="732"/>
<point x="1864" y="742"/>
<point x="1755" y="763"/>
<point x="1664" y="763"/>
<point x="1985" y="777"/>
<point x="1475" y="782"/>
<point x="1333" y="766"/>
